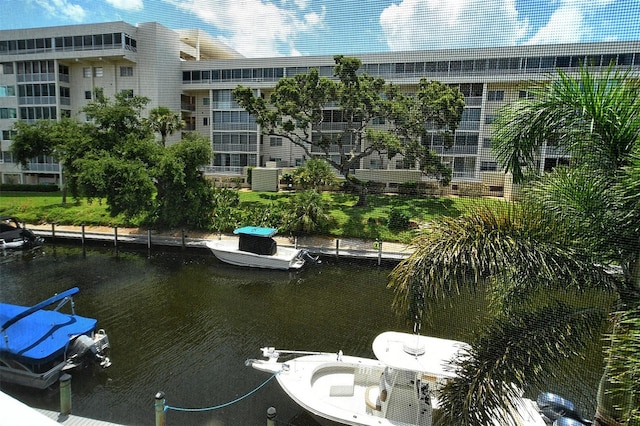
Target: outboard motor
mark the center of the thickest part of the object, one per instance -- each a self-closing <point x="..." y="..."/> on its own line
<point x="85" y="350"/>
<point x="556" y="408"/>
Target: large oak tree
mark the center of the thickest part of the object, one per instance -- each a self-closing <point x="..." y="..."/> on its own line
<point x="339" y="119"/>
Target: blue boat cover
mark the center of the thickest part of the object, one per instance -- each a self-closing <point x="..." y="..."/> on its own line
<point x="41" y="336"/>
<point x="256" y="231"/>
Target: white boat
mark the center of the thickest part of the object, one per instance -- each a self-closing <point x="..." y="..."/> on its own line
<point x="400" y="387"/>
<point x="256" y="248"/>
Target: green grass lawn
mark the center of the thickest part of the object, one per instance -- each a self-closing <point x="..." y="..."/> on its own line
<point x="349" y="220"/>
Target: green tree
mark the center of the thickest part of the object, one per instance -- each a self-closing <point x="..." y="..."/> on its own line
<point x="225" y="201"/>
<point x="185" y="197"/>
<point x="301" y="109"/>
<point x="162" y="120"/>
<point x="59" y="139"/>
<point x="114" y="156"/>
<point x="569" y="224"/>
<point x="307" y="212"/>
<point x="314" y="174"/>
<point x="118" y="162"/>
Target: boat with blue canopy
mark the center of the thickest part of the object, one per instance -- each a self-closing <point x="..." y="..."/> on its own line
<point x="256" y="248"/>
<point x="37" y="345"/>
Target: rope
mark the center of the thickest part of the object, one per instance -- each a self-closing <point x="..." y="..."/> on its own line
<point x="216" y="407"/>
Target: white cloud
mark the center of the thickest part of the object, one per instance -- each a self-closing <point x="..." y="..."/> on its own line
<point x="435" y="24"/>
<point x="256" y="28"/>
<point x="63" y="9"/>
<point x="130" y="5"/>
<point x="568" y="23"/>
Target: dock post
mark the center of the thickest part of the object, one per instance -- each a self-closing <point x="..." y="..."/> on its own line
<point x="149" y="238"/>
<point x="53" y="231"/>
<point x="160" y="413"/>
<point x="379" y="252"/>
<point x="337" y="247"/>
<point x="82" y="234"/>
<point x="271" y="416"/>
<point x="184" y="244"/>
<point x="295" y="242"/>
<point x="65" y="394"/>
<point x="115" y="236"/>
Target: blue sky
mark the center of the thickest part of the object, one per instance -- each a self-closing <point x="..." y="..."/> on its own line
<point x="265" y="28"/>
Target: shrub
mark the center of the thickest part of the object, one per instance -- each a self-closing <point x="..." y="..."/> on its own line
<point x="408" y="188"/>
<point x="17" y="187"/>
<point x="375" y="187"/>
<point x="398" y="220"/>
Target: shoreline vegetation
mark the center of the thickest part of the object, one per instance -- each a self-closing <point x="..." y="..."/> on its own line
<point x="347" y="219"/>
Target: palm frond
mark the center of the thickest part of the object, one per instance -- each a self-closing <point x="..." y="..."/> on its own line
<point x="508" y="356"/>
<point x="521" y="248"/>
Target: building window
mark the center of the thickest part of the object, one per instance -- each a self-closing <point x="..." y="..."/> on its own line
<point x="98" y="72"/>
<point x="495" y="95"/>
<point x="376" y="163"/>
<point x="205" y="101"/>
<point x="488" y="166"/>
<point x="7" y="135"/>
<point x="8" y="113"/>
<point x="275" y="141"/>
<point x="127" y="93"/>
<point x="205" y="121"/>
<point x="87" y="94"/>
<point x="86" y="72"/>
<point x="7" y="91"/>
<point x="126" y="71"/>
<point x="7" y="68"/>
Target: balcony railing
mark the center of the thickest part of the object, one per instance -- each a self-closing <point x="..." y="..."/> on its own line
<point x="235" y="147"/>
<point x="231" y="170"/>
<point x="43" y="167"/>
<point x="459" y="150"/>
<point x="235" y="126"/>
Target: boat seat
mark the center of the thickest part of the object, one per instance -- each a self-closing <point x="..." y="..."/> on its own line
<point x="343" y="386"/>
<point x="374" y="398"/>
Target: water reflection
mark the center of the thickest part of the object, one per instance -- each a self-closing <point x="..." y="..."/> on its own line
<point x="184" y="323"/>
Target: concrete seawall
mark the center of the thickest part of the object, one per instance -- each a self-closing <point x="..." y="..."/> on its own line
<point x="316" y="245"/>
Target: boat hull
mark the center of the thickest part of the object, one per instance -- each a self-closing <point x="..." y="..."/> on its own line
<point x="285" y="257"/>
<point x="400" y="388"/>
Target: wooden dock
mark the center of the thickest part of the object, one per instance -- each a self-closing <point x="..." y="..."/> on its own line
<point x="16" y="413"/>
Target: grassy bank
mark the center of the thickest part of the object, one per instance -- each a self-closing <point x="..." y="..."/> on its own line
<point x="349" y="220"/>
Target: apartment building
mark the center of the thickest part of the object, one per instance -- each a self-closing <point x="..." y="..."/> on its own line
<point x="51" y="72"/>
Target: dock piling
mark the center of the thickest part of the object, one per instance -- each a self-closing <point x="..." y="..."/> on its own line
<point x="65" y="394"/>
<point x="160" y="413"/>
<point x="271" y="416"/>
<point x="115" y="236"/>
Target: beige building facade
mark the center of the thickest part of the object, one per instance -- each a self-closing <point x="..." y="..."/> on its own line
<point x="52" y="72"/>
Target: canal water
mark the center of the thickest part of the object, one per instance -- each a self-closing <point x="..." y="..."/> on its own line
<point x="185" y="323"/>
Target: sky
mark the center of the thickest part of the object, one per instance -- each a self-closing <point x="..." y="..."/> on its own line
<point x="269" y="28"/>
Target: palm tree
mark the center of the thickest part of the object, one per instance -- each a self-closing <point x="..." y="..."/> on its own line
<point x="314" y="174"/>
<point x="162" y="120"/>
<point x="568" y="225"/>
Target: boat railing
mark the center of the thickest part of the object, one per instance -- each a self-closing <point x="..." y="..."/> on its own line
<point x="63" y="298"/>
